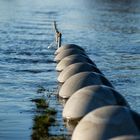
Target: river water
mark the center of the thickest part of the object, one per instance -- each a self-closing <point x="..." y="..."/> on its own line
<point x="109" y="30"/>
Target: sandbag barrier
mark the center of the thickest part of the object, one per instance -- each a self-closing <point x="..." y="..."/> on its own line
<point x="98" y="111"/>
<point x="91" y="100"/>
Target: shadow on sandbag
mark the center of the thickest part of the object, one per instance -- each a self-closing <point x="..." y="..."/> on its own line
<point x="68" y="46"/>
<point x="90" y="98"/>
<point x="71" y="59"/>
<point x="81" y="80"/>
<point x="129" y="137"/>
<point x="76" y="68"/>
<point x="105" y="123"/>
<point x="68" y="52"/>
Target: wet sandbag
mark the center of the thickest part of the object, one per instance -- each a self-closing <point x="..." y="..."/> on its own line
<point x="81" y="80"/>
<point x="136" y="118"/>
<point x="65" y="62"/>
<point x="76" y="68"/>
<point x="68" y="46"/>
<point x="90" y="98"/>
<point x="104" y="123"/>
<point x="128" y="137"/>
<point x="68" y="52"/>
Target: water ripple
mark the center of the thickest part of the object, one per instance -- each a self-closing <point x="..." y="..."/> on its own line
<point x="109" y="31"/>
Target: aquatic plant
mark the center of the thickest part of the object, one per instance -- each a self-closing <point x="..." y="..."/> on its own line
<point x="42" y="123"/>
<point x="50" y="111"/>
<point x="44" y="118"/>
<point x="40" y="103"/>
<point x="41" y="89"/>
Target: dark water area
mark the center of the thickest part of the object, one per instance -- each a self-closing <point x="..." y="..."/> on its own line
<point x="109" y="30"/>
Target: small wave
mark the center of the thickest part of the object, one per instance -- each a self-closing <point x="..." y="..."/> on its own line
<point x="54" y="13"/>
<point x="29" y="27"/>
<point x="25" y="53"/>
<point x="32" y="41"/>
<point x="31" y="71"/>
<point x="27" y="61"/>
<point x="35" y="71"/>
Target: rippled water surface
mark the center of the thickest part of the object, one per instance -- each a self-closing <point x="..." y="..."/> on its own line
<point x="109" y="30"/>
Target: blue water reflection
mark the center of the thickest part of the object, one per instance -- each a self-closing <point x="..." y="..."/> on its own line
<point x="108" y="30"/>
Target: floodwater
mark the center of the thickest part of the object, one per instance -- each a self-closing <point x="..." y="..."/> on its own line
<point x="109" y="30"/>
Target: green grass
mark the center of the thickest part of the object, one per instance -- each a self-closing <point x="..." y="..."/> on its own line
<point x="44" y="118"/>
<point x="40" y="103"/>
<point x="43" y="121"/>
<point x="41" y="89"/>
<point x="41" y="125"/>
<point x="50" y="111"/>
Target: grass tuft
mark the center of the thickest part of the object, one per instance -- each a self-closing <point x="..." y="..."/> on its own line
<point x="40" y="103"/>
<point x="44" y="118"/>
<point x="50" y="111"/>
<point x="41" y="89"/>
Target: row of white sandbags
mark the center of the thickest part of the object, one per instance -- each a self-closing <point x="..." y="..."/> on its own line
<point x="103" y="112"/>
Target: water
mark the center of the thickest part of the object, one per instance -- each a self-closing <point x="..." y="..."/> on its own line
<point x="107" y="29"/>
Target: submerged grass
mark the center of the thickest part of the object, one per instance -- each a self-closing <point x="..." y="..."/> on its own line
<point x="41" y="89"/>
<point x="50" y="111"/>
<point x="44" y="118"/>
<point x="41" y="125"/>
<point x="43" y="121"/>
<point x="40" y="103"/>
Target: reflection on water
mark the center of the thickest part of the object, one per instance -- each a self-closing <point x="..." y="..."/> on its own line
<point x="108" y="29"/>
